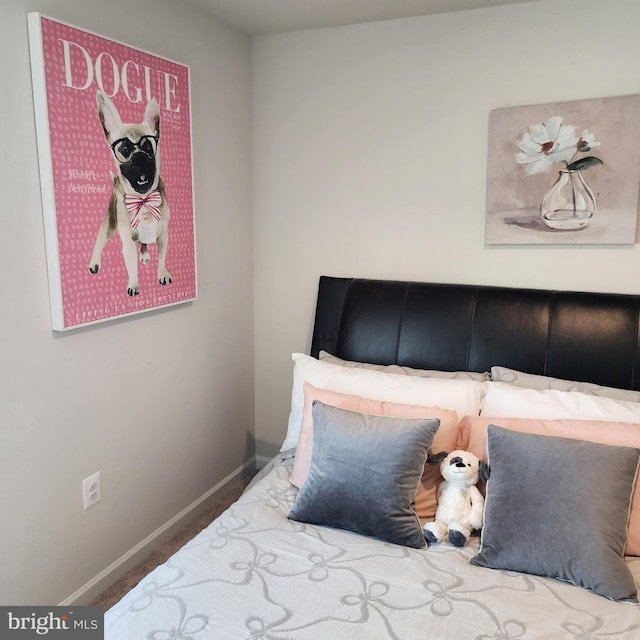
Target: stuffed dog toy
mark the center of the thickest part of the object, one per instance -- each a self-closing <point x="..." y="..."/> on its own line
<point x="138" y="207"/>
<point x="460" y="503"/>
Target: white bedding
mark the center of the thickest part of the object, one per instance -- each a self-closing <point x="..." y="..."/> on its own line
<point x="255" y="574"/>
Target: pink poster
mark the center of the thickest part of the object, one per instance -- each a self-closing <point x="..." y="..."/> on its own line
<point x="114" y="144"/>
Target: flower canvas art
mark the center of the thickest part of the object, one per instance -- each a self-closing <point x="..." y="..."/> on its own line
<point x="564" y="173"/>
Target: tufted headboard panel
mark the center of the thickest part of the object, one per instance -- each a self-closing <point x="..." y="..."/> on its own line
<point x="589" y="337"/>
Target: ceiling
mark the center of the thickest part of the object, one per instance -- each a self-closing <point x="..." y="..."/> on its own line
<point x="257" y="17"/>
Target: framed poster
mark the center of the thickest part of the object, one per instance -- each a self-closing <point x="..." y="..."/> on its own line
<point x="113" y="126"/>
<point x="564" y="172"/>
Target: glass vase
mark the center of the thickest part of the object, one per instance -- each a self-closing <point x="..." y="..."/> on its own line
<point x="569" y="204"/>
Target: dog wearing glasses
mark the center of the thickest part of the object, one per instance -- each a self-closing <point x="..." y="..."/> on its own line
<point x="138" y="207"/>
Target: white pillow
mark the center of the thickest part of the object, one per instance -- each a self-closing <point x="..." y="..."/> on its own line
<point x="533" y="381"/>
<point x="508" y="401"/>
<point x="463" y="396"/>
<point x="408" y="371"/>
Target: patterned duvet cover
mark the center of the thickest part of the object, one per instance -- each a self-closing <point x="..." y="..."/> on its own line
<point x="255" y="574"/>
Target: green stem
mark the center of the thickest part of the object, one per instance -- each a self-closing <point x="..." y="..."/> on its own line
<point x="573" y="192"/>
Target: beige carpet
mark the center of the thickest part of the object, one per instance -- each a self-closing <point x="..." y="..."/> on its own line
<point x="221" y="501"/>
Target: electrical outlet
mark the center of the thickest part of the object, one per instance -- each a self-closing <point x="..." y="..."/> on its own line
<point x="91" y="490"/>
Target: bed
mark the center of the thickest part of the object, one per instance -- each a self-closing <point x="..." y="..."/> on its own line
<point x="544" y="385"/>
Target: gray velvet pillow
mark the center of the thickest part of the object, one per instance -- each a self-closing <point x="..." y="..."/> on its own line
<point x="364" y="474"/>
<point x="559" y="507"/>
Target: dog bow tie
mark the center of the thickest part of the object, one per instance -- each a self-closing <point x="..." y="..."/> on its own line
<point x="135" y="204"/>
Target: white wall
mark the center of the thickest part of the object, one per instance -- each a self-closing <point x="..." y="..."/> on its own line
<point x="160" y="404"/>
<point x="370" y="159"/>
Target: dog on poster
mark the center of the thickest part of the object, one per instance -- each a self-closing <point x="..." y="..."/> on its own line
<point x="138" y="206"/>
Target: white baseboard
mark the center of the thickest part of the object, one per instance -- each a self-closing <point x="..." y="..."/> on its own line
<point x="117" y="569"/>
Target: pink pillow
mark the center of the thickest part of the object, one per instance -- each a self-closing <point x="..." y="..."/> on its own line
<point x="473" y="437"/>
<point x="445" y="438"/>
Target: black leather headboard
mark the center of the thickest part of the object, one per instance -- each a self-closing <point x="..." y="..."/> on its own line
<point x="588" y="337"/>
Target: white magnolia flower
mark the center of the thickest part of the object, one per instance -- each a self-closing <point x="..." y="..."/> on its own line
<point x="544" y="144"/>
<point x="587" y="141"/>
